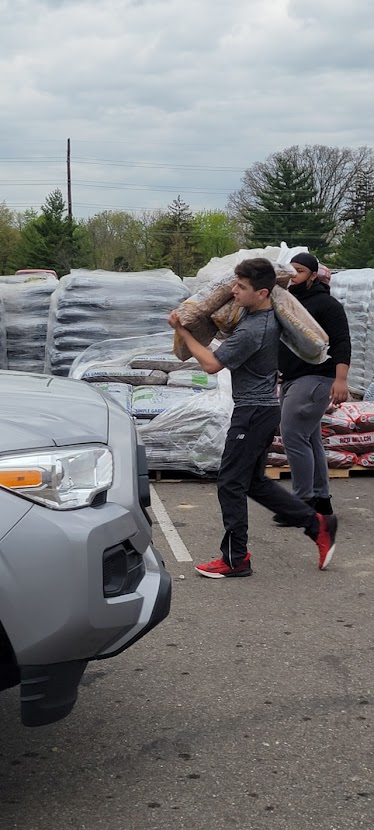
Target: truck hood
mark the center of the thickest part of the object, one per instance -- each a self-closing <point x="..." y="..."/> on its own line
<point x="41" y="411"/>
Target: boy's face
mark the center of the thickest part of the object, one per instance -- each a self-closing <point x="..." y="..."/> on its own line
<point x="246" y="296"/>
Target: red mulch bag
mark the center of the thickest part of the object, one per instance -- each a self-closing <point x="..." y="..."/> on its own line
<point x="357" y="442"/>
<point x="337" y="421"/>
<point x="277" y="459"/>
<point x="342" y="460"/>
<point x="361" y="413"/>
<point x="366" y="460"/>
<point x="277" y="445"/>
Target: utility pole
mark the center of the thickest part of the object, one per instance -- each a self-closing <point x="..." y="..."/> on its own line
<point x="70" y="206"/>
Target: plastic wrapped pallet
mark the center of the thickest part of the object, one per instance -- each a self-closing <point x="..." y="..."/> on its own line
<point x="369" y="392"/>
<point x="355" y="290"/>
<point x="26" y="319"/>
<point x="92" y="306"/>
<point x="191" y="435"/>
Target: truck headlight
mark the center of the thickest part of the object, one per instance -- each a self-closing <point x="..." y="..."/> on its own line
<point x="62" y="479"/>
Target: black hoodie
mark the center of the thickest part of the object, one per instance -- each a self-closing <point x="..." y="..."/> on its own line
<point x="330" y="314"/>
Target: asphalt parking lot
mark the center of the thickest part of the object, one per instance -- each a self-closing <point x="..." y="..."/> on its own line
<point x="250" y="707"/>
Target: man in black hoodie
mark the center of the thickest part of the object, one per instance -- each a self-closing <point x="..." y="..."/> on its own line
<point x="307" y="389"/>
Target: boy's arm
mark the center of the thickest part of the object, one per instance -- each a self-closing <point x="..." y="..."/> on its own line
<point x="339" y="390"/>
<point x="207" y="361"/>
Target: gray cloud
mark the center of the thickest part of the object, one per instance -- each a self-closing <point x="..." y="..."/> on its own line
<point x="173" y="85"/>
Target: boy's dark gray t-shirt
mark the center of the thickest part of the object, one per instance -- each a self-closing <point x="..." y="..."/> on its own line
<point x="251" y="354"/>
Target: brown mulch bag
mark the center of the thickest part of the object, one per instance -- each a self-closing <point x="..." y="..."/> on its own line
<point x="202" y="328"/>
<point x="213" y="308"/>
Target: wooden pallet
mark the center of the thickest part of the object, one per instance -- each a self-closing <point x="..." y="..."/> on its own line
<point x="285" y="472"/>
<point x="178" y="477"/>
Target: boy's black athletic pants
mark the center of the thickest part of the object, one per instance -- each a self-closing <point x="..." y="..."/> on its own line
<point x="242" y="475"/>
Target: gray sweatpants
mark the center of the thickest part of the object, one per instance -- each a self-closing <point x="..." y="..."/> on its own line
<point x="304" y="401"/>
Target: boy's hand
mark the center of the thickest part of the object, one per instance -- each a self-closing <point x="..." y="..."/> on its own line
<point x="173" y="320"/>
<point x="339" y="392"/>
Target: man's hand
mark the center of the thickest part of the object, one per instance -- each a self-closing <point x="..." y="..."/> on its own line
<point x="173" y="320"/>
<point x="339" y="392"/>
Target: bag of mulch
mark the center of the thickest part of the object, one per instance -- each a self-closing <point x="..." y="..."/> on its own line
<point x="358" y="442"/>
<point x="201" y="327"/>
<point x="337" y="421"/>
<point x="277" y="459"/>
<point x="136" y="377"/>
<point x="193" y="379"/>
<point x="277" y="445"/>
<point x="147" y="402"/>
<point x="361" y="413"/>
<point x="228" y="316"/>
<point x="341" y="460"/>
<point x="161" y="362"/>
<point x="120" y="392"/>
<point x="300" y="331"/>
<point x="366" y="460"/>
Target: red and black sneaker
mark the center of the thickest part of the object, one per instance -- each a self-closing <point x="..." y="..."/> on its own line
<point x="217" y="568"/>
<point x="325" y="539"/>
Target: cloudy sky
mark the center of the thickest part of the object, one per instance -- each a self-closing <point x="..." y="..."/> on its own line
<point x="168" y="97"/>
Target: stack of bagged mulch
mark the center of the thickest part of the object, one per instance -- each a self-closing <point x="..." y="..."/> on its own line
<point x="355" y="290"/>
<point x="91" y="306"/>
<point x="181" y="413"/>
<point x="26" y="305"/>
<point x="348" y="437"/>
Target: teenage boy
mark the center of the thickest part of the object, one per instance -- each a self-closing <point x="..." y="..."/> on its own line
<point x="307" y="390"/>
<point x="251" y="354"/>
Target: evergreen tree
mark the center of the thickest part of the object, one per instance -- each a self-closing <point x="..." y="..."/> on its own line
<point x="356" y="249"/>
<point x="9" y="237"/>
<point x="172" y="240"/>
<point x="179" y="213"/>
<point x="288" y="210"/>
<point x="52" y="240"/>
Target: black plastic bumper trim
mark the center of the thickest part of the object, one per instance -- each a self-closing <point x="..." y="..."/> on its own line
<point x="160" y="610"/>
<point x="48" y="693"/>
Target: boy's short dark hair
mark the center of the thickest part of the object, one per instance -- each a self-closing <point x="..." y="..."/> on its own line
<point x="259" y="272"/>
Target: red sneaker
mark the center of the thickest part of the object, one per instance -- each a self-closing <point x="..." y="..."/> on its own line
<point x="326" y="539"/>
<point x="217" y="568"/>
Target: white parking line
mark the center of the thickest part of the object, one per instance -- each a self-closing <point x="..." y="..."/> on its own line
<point x="170" y="532"/>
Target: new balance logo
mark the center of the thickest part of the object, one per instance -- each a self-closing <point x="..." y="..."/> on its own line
<point x="241" y="436"/>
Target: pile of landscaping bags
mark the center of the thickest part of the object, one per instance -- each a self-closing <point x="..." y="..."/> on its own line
<point x="181" y="412"/>
<point x="92" y="306"/>
<point x="348" y="437"/>
<point x="355" y="290"/>
<point x="26" y="305"/>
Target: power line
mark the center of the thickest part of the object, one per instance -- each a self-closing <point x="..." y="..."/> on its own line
<point x="156" y="164"/>
<point x="153" y="165"/>
<point x="108" y="186"/>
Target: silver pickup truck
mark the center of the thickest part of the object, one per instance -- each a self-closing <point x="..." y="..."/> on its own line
<point x="79" y="577"/>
